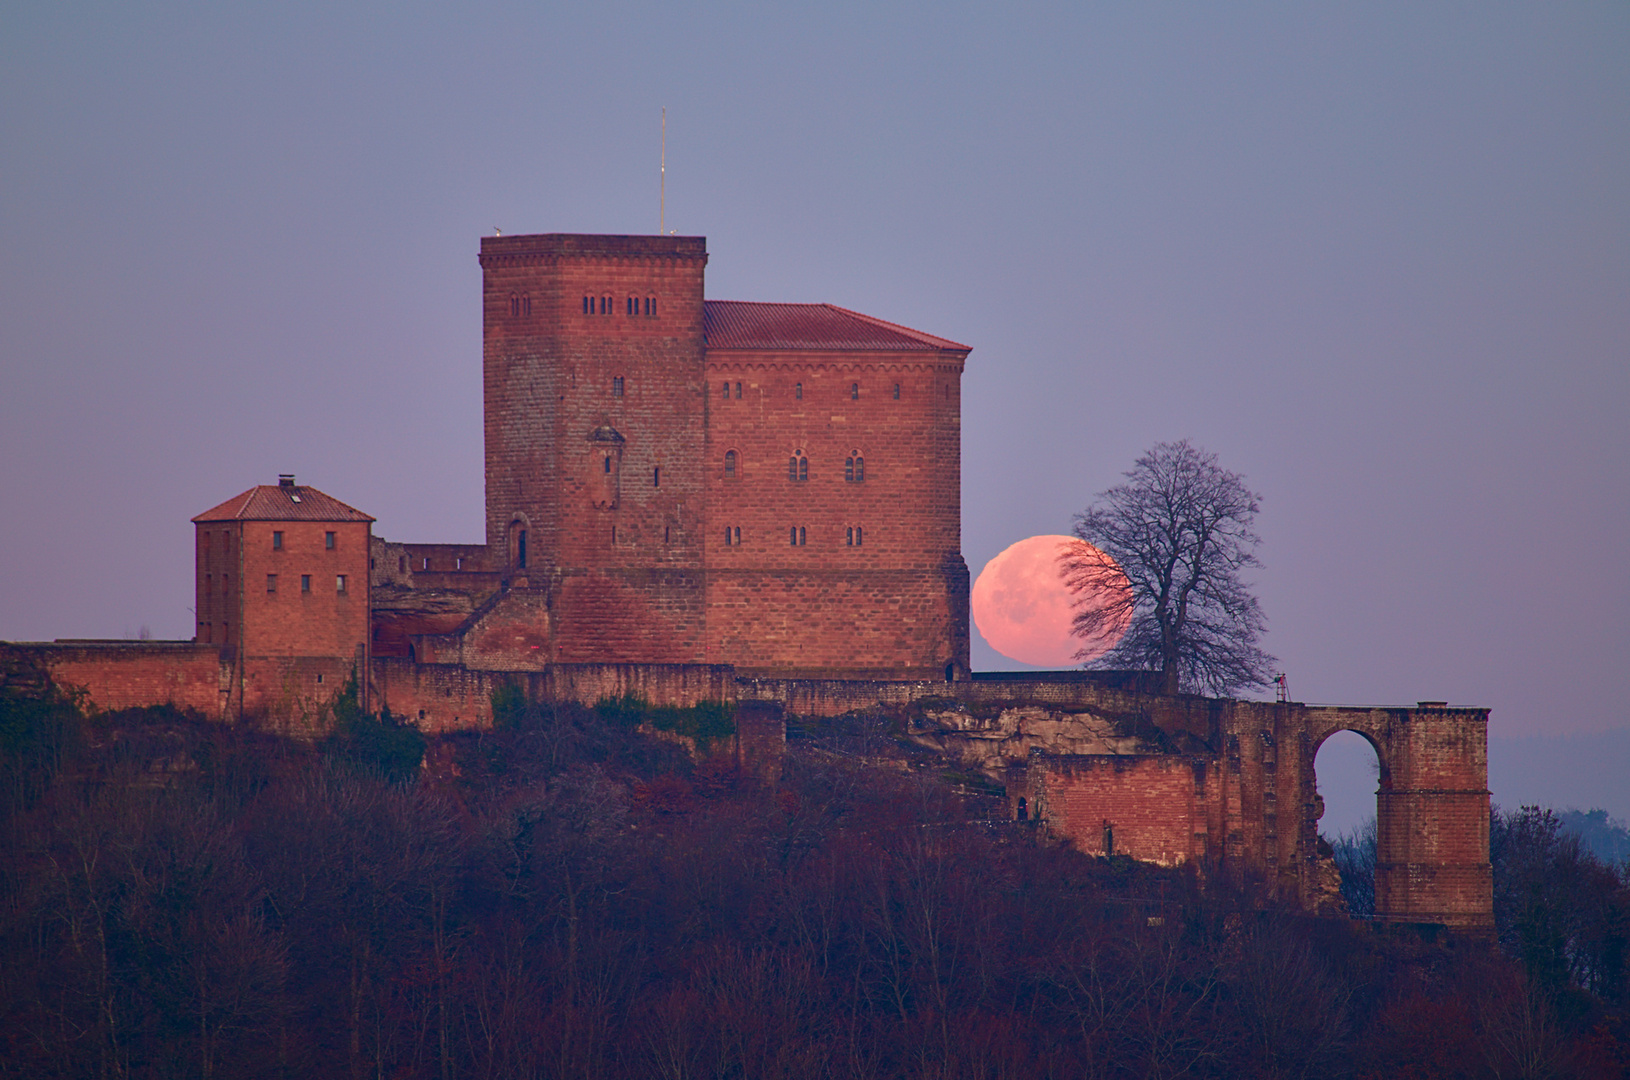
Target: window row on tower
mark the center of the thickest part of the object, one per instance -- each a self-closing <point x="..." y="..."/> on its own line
<point x="728" y="390"/>
<point x="633" y="305"/>
<point x="798" y="536"/>
<point x="854" y="467"/>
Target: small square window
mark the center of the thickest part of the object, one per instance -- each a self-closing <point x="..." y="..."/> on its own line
<point x="339" y="583"/>
<point x="328" y="541"/>
<point x="277" y="539"/>
<point x="305" y="583"/>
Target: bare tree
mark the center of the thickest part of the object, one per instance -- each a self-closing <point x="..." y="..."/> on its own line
<point x="1180" y="531"/>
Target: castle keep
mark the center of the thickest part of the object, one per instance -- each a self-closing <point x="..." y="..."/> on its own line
<point x="692" y="500"/>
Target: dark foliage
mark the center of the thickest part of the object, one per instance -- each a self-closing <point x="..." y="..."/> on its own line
<point x="377" y="743"/>
<point x="564" y="896"/>
<point x="1355" y="858"/>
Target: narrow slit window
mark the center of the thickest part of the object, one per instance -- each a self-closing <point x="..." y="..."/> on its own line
<point x="849" y="536"/>
<point x="426" y="565"/>
<point x="588" y="305"/>
<point x="798" y="391"/>
<point x="656" y="476"/>
<point x="608" y="464"/>
<point x="738" y="391"/>
<point x="514" y="306"/>
<point x="860" y="469"/>
<point x="526" y="306"/>
<point x="854" y="391"/>
<point x="737" y="536"/>
<point x="858" y="536"/>
<point x="793" y="539"/>
<point x="633" y="306"/>
<point x="896" y="391"/>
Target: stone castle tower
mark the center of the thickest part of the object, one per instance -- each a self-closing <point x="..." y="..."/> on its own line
<point x="675" y="480"/>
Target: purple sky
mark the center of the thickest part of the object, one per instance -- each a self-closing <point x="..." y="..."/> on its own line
<point x="1377" y="259"/>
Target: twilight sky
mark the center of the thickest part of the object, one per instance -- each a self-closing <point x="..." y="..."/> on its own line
<point x="1376" y="257"/>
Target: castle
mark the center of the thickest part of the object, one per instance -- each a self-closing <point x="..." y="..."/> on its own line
<point x="692" y="500"/>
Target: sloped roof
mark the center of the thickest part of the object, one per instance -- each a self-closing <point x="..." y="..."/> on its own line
<point x="274" y="502"/>
<point x="739" y="324"/>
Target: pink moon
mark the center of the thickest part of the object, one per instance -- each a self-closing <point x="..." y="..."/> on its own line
<point x="1022" y="607"/>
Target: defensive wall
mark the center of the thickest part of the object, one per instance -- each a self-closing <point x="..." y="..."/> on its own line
<point x="1226" y="787"/>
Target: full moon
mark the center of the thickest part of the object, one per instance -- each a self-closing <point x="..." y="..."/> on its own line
<point x="1022" y="607"/>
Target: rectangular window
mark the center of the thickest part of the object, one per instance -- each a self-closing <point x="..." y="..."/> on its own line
<point x="328" y="541"/>
<point x="305" y="583"/>
<point x="339" y="583"/>
<point x="277" y="540"/>
<point x="616" y="386"/>
<point x="271" y="582"/>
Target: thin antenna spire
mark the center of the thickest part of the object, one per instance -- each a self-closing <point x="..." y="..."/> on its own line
<point x="662" y="189"/>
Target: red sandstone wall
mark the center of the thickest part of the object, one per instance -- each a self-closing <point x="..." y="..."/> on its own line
<point x="1153" y="804"/>
<point x="122" y="675"/>
<point x="826" y="602"/>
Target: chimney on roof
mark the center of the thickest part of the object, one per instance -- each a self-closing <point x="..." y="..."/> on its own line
<point x="285" y="480"/>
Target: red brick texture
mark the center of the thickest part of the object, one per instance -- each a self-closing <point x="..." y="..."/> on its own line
<point x="608" y="423"/>
<point x="129" y="674"/>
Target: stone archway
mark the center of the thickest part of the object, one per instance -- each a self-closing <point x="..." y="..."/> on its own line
<point x="1432" y="810"/>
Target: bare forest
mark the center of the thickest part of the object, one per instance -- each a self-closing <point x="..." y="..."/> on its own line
<point x="565" y="896"/>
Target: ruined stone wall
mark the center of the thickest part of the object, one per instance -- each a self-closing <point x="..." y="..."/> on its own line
<point x="131" y="674"/>
<point x="1150" y="807"/>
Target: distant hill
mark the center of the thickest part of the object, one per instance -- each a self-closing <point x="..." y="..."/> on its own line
<point x="1578" y="771"/>
<point x="1607" y="838"/>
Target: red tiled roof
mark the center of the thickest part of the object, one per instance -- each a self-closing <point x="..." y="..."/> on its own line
<point x="273" y="502"/>
<point x="737" y="324"/>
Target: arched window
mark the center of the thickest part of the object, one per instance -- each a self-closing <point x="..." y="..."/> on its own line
<point x="798" y="391"/>
<point x="798" y="467"/>
<point x="738" y="391"/>
<point x="854" y="468"/>
<point x="896" y="391"/>
<point x="656" y="476"/>
<point x="608" y="463"/>
<point x="849" y="536"/>
<point x="729" y="464"/>
<point x="797" y="535"/>
<point x="854" y="391"/>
